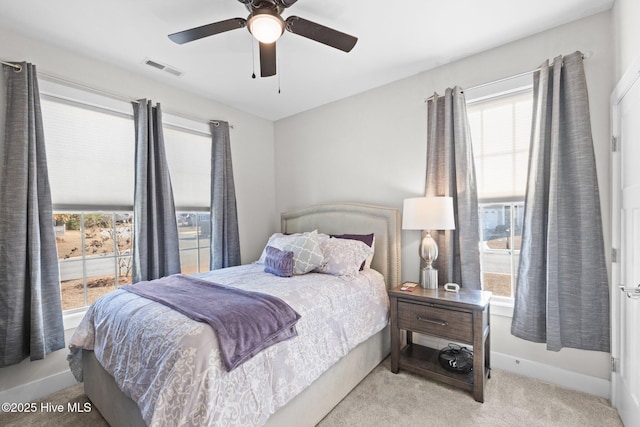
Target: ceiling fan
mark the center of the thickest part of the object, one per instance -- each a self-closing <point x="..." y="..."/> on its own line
<point x="265" y="23"/>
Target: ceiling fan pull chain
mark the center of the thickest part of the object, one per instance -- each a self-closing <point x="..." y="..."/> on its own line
<point x="253" y="58"/>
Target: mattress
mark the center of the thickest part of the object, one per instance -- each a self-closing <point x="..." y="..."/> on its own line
<point x="171" y="366"/>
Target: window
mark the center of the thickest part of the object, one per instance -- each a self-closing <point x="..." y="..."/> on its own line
<point x="188" y="149"/>
<point x="500" y="131"/>
<point x="90" y="155"/>
<point x="501" y="231"/>
<point x="194" y="232"/>
<point x="91" y="172"/>
<point x="94" y="254"/>
<point x="90" y="143"/>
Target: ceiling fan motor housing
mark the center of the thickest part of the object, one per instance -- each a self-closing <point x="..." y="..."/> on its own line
<point x="265" y="24"/>
<point x="274" y="5"/>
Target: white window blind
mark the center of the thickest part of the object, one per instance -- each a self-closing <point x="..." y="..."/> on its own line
<point x="90" y="154"/>
<point x="189" y="159"/>
<point x="90" y="141"/>
<point x="500" y="132"/>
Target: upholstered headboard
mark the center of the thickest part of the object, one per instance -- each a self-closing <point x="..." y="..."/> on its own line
<point x="353" y="218"/>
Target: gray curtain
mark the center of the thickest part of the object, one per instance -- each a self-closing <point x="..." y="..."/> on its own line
<point x="225" y="240"/>
<point x="562" y="293"/>
<point x="155" y="229"/>
<point x="451" y="172"/>
<point x="30" y="306"/>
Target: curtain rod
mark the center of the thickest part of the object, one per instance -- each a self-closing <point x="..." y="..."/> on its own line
<point x="586" y="55"/>
<point x="124" y="98"/>
<point x="216" y="123"/>
<point x="16" y="67"/>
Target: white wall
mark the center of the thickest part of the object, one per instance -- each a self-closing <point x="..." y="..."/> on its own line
<point x="252" y="146"/>
<point x="626" y="33"/>
<point x="372" y="148"/>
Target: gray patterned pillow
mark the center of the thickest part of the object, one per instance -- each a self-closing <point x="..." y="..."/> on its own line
<point x="307" y="254"/>
<point x="343" y="257"/>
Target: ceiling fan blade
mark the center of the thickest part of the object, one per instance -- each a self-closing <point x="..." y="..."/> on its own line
<point x="320" y="33"/>
<point x="207" y="30"/>
<point x="267" y="59"/>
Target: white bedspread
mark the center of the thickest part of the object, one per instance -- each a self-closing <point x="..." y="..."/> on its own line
<point x="170" y="365"/>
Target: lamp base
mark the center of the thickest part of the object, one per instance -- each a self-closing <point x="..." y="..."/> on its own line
<point x="429" y="278"/>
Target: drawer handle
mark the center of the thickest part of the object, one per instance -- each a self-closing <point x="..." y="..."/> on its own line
<point x="437" y="322"/>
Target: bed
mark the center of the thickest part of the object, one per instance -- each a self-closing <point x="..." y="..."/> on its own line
<point x="327" y="388"/>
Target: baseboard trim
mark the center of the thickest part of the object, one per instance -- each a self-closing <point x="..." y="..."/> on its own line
<point x="551" y="374"/>
<point x="38" y="389"/>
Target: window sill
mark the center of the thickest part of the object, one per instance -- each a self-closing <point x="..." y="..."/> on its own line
<point x="72" y="319"/>
<point x="502" y="306"/>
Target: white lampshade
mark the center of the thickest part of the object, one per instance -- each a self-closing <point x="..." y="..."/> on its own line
<point x="428" y="213"/>
<point x="265" y="27"/>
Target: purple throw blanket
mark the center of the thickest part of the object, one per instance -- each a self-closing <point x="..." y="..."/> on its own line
<point x="245" y="322"/>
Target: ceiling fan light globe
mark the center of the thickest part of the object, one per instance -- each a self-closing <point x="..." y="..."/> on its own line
<point x="266" y="28"/>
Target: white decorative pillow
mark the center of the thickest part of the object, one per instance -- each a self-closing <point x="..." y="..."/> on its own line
<point x="343" y="257"/>
<point x="270" y="242"/>
<point x="368" y="239"/>
<point x="307" y="254"/>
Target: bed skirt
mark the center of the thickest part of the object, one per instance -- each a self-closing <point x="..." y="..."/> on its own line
<point x="310" y="406"/>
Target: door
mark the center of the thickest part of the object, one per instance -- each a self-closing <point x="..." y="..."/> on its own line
<point x="625" y="308"/>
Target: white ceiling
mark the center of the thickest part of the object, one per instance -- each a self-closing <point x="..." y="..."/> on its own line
<point x="396" y="39"/>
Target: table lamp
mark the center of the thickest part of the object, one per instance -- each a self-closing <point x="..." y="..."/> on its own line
<point x="428" y="213"/>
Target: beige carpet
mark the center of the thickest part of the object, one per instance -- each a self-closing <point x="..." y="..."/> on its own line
<point x="386" y="399"/>
<point x="44" y="417"/>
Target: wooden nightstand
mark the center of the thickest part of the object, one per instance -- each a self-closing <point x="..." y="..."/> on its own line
<point x="459" y="317"/>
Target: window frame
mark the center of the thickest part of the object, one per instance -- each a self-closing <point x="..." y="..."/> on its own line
<point x="198" y="248"/>
<point x="513" y="253"/>
<point x="494" y="91"/>
<point x="66" y="92"/>
<point x="115" y="255"/>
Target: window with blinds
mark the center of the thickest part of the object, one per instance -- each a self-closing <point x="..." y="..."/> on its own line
<point x="500" y="133"/>
<point x="189" y="159"/>
<point x="90" y="155"/>
<point x="90" y="141"/>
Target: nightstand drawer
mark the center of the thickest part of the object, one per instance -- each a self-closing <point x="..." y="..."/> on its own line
<point x="431" y="320"/>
